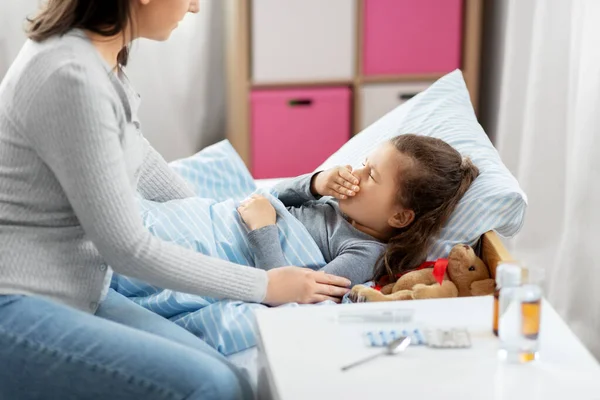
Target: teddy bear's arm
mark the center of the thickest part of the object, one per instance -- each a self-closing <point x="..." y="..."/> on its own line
<point x="482" y="287"/>
<point x="410" y="279"/>
<point x="435" y="291"/>
<point x="362" y="293"/>
<point x="387" y="289"/>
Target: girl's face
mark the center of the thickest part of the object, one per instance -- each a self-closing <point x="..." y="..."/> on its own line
<point x="156" y="19"/>
<point x="375" y="206"/>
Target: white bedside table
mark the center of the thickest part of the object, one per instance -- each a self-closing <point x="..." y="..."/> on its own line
<point x="301" y="351"/>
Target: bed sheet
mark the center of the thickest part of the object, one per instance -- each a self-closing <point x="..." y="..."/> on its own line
<point x="247" y="362"/>
<point x="210" y="224"/>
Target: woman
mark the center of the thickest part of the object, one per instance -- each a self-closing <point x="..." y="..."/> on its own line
<point x="71" y="159"/>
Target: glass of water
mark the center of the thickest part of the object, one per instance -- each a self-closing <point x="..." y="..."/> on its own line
<point x="520" y="315"/>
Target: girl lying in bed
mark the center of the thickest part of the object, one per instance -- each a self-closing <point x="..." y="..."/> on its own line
<point x="383" y="215"/>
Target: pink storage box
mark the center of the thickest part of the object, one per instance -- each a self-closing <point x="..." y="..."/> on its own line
<point x="294" y="131"/>
<point x="412" y="36"/>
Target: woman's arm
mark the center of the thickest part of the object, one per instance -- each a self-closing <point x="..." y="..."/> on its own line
<point x="73" y="126"/>
<point x="158" y="182"/>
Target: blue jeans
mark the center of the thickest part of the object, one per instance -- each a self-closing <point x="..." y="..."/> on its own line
<point x="51" y="351"/>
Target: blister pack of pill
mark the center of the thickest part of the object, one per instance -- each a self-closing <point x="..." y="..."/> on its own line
<point x="453" y="338"/>
<point x="383" y="337"/>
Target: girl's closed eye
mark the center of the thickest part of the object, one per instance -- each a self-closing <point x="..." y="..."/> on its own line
<point x="369" y="169"/>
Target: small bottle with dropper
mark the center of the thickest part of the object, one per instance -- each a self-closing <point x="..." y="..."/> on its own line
<point x="501" y="270"/>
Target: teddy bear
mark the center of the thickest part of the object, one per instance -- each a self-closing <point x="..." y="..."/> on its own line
<point x="461" y="274"/>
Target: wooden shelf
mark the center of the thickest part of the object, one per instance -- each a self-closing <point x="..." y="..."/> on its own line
<point x="400" y="78"/>
<point x="237" y="36"/>
<point x="471" y="62"/>
<point x="358" y="66"/>
<point x="275" y="85"/>
<point x="357" y="81"/>
<point x="239" y="74"/>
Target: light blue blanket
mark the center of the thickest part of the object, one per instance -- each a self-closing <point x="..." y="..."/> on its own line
<point x="211" y="225"/>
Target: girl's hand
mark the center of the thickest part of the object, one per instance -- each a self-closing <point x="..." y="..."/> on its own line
<point x="338" y="182"/>
<point x="257" y="212"/>
<point x="304" y="286"/>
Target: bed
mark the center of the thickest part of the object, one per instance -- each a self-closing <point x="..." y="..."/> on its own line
<point x="490" y="248"/>
<point x="492" y="251"/>
<point x="494" y="203"/>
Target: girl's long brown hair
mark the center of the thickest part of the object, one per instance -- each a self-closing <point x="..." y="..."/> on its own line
<point x="432" y="188"/>
<point x="104" y="17"/>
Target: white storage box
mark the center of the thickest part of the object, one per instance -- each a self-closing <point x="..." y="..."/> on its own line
<point x="379" y="99"/>
<point x="303" y="40"/>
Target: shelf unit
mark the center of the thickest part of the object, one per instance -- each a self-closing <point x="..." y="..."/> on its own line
<point x="239" y="75"/>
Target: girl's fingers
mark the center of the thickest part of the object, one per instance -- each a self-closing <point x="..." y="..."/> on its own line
<point x="341" y="189"/>
<point x="341" y="181"/>
<point x="337" y="195"/>
<point x="347" y="175"/>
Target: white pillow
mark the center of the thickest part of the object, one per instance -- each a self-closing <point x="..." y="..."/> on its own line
<point x="494" y="201"/>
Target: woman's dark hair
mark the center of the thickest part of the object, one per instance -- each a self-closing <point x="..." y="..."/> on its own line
<point x="432" y="188"/>
<point x="104" y="17"/>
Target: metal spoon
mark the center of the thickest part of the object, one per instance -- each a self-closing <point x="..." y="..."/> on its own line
<point x="394" y="347"/>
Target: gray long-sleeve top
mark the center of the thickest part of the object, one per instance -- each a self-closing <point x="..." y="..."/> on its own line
<point x="348" y="252"/>
<point x="71" y="158"/>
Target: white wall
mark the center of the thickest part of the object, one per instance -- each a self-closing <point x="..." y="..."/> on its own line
<point x="182" y="84"/>
<point x="12" y="24"/>
<point x="494" y="27"/>
<point x="182" y="81"/>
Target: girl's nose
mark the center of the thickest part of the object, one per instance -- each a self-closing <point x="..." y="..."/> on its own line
<point x="359" y="172"/>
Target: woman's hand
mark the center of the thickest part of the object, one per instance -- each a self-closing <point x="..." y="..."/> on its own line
<point x="304" y="286"/>
<point x="257" y="212"/>
<point x="338" y="182"/>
